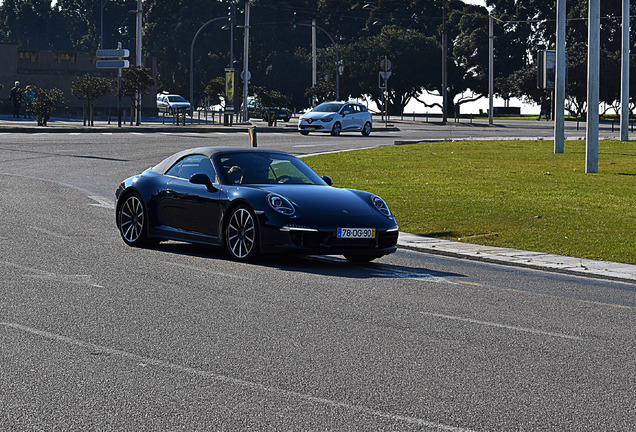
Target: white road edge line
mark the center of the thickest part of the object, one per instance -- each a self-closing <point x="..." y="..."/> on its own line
<point x="509" y="327"/>
<point x="236" y="381"/>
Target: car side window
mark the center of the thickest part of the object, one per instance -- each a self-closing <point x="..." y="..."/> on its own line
<point x="193" y="164"/>
<point x="174" y="170"/>
<point x="196" y="164"/>
<point x="347" y="110"/>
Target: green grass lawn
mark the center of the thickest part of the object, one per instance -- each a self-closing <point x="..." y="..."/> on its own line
<point x="503" y="193"/>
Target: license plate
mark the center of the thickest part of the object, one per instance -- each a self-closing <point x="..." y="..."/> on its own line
<point x="356" y="232"/>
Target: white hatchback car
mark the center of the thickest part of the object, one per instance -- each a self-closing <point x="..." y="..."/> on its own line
<point x="171" y="103"/>
<point x="336" y="117"/>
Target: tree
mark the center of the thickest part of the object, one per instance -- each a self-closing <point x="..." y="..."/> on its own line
<point x="415" y="66"/>
<point x="136" y="80"/>
<point x="270" y="103"/>
<point x="90" y="88"/>
<point x="44" y="103"/>
<point x="321" y="92"/>
<point x="215" y="91"/>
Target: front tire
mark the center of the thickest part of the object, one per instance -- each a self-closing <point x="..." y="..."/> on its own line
<point x="337" y="128"/>
<point x="304" y="132"/>
<point x="241" y="234"/>
<point x="132" y="220"/>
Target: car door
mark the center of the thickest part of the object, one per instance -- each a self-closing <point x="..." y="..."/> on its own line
<point x="359" y="116"/>
<point x="348" y="118"/>
<point x="192" y="208"/>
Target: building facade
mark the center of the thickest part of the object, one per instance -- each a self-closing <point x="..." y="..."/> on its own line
<point x="57" y="69"/>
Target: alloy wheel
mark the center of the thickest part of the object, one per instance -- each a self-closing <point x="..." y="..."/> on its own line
<point x="132" y="219"/>
<point x="241" y="234"/>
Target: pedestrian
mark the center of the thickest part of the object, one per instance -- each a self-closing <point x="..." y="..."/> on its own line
<point x="16" y="97"/>
<point x="545" y="109"/>
<point x="28" y="101"/>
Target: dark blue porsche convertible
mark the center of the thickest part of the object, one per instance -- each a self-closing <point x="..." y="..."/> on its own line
<point x="252" y="201"/>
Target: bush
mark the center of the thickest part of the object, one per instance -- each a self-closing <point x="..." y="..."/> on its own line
<point x="44" y="103"/>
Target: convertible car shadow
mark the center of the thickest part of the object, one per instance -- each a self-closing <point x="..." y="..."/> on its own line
<point x="322" y="265"/>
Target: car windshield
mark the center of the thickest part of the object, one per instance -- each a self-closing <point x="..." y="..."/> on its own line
<point x="328" y="107"/>
<point x="176" y="99"/>
<point x="265" y="168"/>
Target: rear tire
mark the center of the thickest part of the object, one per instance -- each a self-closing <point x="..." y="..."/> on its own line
<point x="366" y="130"/>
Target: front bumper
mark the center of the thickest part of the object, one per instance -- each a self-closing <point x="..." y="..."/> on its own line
<point x="315" y="126"/>
<point x="325" y="242"/>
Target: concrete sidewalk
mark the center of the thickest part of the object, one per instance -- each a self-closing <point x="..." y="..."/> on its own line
<point x="507" y="256"/>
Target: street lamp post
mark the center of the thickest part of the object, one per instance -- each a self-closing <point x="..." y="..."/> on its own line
<point x="444" y="66"/>
<point x="335" y="47"/>
<point x="138" y="61"/>
<point x="491" y="68"/>
<point x="101" y="24"/>
<point x="194" y="39"/>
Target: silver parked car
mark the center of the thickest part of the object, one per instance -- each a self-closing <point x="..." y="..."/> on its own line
<point x="171" y="103"/>
<point x="336" y="117"/>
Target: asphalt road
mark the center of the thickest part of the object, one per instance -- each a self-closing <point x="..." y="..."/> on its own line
<point x="95" y="335"/>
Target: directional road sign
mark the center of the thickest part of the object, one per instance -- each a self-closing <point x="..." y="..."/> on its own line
<point x="112" y="64"/>
<point x="113" y="53"/>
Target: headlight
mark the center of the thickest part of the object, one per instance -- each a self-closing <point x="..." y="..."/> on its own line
<point x="327" y="119"/>
<point x="381" y="205"/>
<point x="280" y="204"/>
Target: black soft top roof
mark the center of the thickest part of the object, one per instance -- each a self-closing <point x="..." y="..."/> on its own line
<point x="165" y="164"/>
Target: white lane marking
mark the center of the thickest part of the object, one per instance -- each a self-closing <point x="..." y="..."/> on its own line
<point x="504" y="326"/>
<point x="43" y="274"/>
<point x="101" y="202"/>
<point x="144" y="361"/>
<point x="50" y="233"/>
<point x="202" y="269"/>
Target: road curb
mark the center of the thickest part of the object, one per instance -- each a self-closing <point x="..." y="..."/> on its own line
<point x="605" y="270"/>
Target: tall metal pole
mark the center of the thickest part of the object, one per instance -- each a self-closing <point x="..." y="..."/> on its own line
<point x="138" y="61"/>
<point x="559" y="81"/>
<point x="593" y="57"/>
<point x="491" y="67"/>
<point x="246" y="45"/>
<point x="625" y="74"/>
<point x="101" y="24"/>
<point x="194" y="39"/>
<point x="118" y="91"/>
<point x="314" y="65"/>
<point x="444" y="66"/>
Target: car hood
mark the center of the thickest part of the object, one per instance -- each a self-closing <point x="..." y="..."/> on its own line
<point x="316" y="115"/>
<point x="325" y="200"/>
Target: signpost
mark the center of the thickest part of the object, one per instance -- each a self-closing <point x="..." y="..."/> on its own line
<point x="114" y="60"/>
<point x="383" y="78"/>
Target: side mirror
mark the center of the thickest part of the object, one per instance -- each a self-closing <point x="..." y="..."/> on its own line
<point x="328" y="180"/>
<point x="203" y="179"/>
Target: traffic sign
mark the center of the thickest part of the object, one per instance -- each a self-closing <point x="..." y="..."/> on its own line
<point x="385" y="75"/>
<point x="112" y="64"/>
<point x="112" y="53"/>
<point x="385" y="64"/>
<point x="249" y="75"/>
